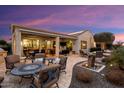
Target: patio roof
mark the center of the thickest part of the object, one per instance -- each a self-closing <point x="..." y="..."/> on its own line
<point x="28" y="30"/>
<point x="79" y="32"/>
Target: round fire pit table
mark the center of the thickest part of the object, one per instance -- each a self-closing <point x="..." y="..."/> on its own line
<point x="27" y="70"/>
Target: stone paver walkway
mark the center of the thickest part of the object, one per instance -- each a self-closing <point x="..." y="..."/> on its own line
<point x="64" y="81"/>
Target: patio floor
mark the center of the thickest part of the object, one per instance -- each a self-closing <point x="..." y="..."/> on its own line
<point x="11" y="81"/>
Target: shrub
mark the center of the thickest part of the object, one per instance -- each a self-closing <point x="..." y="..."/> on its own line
<point x="117" y="57"/>
<point x="107" y="37"/>
<point x="85" y="76"/>
<point x="105" y="59"/>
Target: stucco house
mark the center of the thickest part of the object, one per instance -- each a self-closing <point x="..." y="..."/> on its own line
<point x="24" y="38"/>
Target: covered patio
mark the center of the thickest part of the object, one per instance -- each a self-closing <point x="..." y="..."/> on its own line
<point x="49" y="42"/>
<point x="45" y="44"/>
<point x="40" y="41"/>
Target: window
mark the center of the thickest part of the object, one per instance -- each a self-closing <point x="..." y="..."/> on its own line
<point x="83" y="44"/>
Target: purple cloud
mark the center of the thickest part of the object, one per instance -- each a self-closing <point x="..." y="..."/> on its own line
<point x="64" y="18"/>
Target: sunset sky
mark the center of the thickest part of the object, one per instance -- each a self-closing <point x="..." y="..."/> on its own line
<point x="64" y="19"/>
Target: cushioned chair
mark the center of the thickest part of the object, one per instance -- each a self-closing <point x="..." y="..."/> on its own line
<point x="47" y="77"/>
<point x="99" y="56"/>
<point x="1" y="79"/>
<point x="11" y="61"/>
<point x="39" y="58"/>
<point x="27" y="55"/>
<point x="63" y="62"/>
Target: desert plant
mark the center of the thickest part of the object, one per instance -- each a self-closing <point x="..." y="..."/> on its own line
<point x="106" y="59"/>
<point x="117" y="57"/>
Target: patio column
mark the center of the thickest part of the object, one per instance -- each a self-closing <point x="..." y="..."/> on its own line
<point x="40" y="41"/>
<point x="76" y="46"/>
<point x="18" y="46"/>
<point x="13" y="42"/>
<point x="57" y="46"/>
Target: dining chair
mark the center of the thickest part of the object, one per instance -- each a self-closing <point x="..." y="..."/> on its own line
<point x="47" y="77"/>
<point x="27" y="55"/>
<point x="11" y="61"/>
<point x="63" y="62"/>
<point x="99" y="54"/>
<point x="39" y="58"/>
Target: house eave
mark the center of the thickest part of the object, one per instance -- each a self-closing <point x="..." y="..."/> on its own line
<point x="23" y="29"/>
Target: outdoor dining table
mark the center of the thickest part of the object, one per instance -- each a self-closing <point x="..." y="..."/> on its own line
<point x="27" y="70"/>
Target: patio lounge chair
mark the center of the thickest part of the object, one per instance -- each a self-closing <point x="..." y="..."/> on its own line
<point x="11" y="61"/>
<point x="1" y="79"/>
<point x="63" y="62"/>
<point x="47" y="77"/>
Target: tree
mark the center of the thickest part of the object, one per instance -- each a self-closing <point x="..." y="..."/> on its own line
<point x="3" y="42"/>
<point x="6" y="46"/>
<point x="104" y="37"/>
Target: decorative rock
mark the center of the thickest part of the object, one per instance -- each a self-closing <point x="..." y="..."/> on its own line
<point x="85" y="76"/>
<point x="115" y="77"/>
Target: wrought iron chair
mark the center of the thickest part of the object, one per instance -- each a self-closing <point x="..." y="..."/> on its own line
<point x="39" y="58"/>
<point x="99" y="56"/>
<point x="63" y="62"/>
<point x="11" y="61"/>
<point x="28" y="55"/>
<point x="47" y="77"/>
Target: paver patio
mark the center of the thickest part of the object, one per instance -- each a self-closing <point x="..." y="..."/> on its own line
<point x="11" y="81"/>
